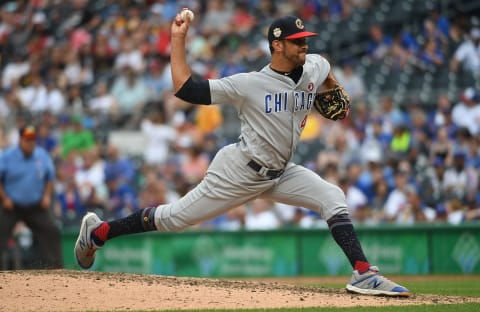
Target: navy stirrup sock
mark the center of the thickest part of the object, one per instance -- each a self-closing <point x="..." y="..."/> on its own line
<point x="137" y="222"/>
<point x="344" y="234"/>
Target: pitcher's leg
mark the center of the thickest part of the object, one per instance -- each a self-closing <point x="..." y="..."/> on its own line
<point x="302" y="187"/>
<point x="299" y="186"/>
<point x="202" y="203"/>
<point x="228" y="183"/>
<point x="210" y="198"/>
<point x="205" y="201"/>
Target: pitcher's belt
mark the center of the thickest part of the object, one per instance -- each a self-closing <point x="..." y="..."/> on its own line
<point x="265" y="172"/>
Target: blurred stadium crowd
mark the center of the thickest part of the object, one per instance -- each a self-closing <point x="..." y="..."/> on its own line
<point x="94" y="77"/>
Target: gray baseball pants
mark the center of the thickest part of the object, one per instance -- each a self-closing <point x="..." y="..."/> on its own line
<point x="229" y="183"/>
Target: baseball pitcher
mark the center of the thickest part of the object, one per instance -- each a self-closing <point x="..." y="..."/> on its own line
<point x="273" y="105"/>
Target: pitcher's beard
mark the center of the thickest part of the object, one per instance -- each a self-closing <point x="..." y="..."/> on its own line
<point x="296" y="60"/>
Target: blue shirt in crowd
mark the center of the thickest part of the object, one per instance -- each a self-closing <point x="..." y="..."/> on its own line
<point x="24" y="178"/>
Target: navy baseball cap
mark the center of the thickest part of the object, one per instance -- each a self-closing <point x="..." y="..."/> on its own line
<point x="288" y="27"/>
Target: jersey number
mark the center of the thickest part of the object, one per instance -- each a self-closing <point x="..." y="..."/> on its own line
<point x="304" y="122"/>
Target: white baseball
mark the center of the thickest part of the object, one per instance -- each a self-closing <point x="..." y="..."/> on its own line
<point x="185" y="12"/>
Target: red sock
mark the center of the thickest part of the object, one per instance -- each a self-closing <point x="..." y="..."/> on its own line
<point x="361" y="266"/>
<point x="101" y="233"/>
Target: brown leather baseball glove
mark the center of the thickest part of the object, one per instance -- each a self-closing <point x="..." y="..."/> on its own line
<point x="333" y="104"/>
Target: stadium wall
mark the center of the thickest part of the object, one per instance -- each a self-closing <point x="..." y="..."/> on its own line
<point x="417" y="250"/>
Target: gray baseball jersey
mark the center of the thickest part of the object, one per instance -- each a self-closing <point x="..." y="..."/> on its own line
<point x="273" y="111"/>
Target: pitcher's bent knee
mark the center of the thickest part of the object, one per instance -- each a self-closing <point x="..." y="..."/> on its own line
<point x="334" y="203"/>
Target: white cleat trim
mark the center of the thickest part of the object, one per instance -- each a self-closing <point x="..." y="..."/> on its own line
<point x="376" y="292"/>
<point x="84" y="242"/>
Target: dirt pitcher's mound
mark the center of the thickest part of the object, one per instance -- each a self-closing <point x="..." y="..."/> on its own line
<point x="63" y="290"/>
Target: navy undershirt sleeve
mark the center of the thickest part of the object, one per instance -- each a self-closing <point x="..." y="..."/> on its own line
<point x="195" y="92"/>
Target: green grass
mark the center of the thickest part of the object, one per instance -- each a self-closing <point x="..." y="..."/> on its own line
<point x="468" y="288"/>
